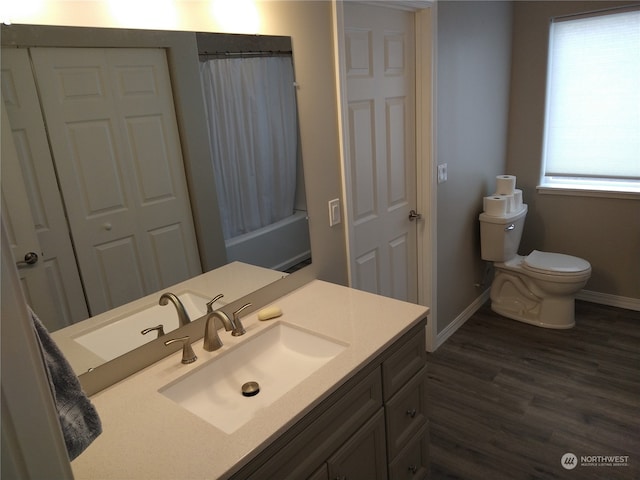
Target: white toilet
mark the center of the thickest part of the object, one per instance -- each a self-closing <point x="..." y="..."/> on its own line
<point x="539" y="288"/>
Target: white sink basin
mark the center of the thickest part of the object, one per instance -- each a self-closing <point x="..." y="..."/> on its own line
<point x="123" y="334"/>
<point x="278" y="359"/>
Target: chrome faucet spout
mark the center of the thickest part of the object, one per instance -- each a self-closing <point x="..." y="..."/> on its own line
<point x="234" y="325"/>
<point x="183" y="316"/>
<point x="211" y="338"/>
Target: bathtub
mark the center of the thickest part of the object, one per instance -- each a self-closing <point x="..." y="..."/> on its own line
<point x="278" y="246"/>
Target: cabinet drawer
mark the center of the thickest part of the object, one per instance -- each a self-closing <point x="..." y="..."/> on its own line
<point x="300" y="452"/>
<point x="404" y="363"/>
<point x="406" y="413"/>
<point x="412" y="462"/>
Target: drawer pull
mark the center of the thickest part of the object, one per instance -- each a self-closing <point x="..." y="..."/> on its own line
<point x="413" y="469"/>
<point x="411" y="412"/>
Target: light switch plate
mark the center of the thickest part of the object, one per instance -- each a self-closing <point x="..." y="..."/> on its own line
<point x="334" y="212"/>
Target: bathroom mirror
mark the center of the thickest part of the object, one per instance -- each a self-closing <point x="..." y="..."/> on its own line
<point x="185" y="52"/>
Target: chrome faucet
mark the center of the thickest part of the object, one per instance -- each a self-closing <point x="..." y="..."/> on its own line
<point x="183" y="316"/>
<point x="211" y="338"/>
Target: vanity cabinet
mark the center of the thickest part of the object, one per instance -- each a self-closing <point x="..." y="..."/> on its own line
<point x="374" y="427"/>
<point x="363" y="455"/>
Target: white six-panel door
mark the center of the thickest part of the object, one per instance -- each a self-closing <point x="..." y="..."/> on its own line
<point x="115" y="143"/>
<point x="31" y="204"/>
<point x="379" y="46"/>
<point x="38" y="271"/>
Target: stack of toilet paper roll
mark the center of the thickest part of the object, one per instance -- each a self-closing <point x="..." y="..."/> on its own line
<point x="506" y="200"/>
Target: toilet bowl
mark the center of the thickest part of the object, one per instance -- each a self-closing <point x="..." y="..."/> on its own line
<point x="538" y="288"/>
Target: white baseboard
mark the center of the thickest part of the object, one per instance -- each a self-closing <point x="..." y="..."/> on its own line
<point x="608" y="299"/>
<point x="460" y="319"/>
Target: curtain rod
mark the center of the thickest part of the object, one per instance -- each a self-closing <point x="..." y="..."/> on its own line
<point x="269" y="53"/>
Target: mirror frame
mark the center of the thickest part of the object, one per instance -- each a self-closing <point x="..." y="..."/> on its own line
<point x="181" y="48"/>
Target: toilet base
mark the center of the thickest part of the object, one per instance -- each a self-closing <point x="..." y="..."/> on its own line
<point x="564" y="323"/>
<point x="511" y="298"/>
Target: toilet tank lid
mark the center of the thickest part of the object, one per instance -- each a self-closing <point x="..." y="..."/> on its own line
<point x="555" y="262"/>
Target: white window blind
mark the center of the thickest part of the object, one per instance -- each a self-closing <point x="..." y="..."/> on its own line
<point x="592" y="128"/>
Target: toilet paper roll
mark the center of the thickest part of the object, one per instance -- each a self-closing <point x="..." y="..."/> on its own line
<point x="505" y="184"/>
<point x="517" y="196"/>
<point x="495" y="205"/>
<point x="511" y="201"/>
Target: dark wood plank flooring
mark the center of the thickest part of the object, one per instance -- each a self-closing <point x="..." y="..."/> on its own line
<point x="508" y="399"/>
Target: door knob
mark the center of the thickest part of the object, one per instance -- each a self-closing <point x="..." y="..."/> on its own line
<point x="413" y="215"/>
<point x="29" y="259"/>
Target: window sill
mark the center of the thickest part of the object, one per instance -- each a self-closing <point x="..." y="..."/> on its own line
<point x="605" y="191"/>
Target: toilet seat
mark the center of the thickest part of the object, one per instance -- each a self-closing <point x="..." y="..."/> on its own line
<point x="555" y="263"/>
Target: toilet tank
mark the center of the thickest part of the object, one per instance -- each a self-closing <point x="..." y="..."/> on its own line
<point x="500" y="236"/>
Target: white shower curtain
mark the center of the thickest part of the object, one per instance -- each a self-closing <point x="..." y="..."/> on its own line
<point x="253" y="132"/>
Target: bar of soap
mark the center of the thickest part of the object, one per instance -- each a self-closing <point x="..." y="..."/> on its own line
<point x="269" y="313"/>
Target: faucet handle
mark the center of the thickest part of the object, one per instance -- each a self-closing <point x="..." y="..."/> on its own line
<point x="212" y="301"/>
<point x="159" y="329"/>
<point x="238" y="328"/>
<point x="188" y="355"/>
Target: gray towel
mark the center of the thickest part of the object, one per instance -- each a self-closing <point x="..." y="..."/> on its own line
<point x="78" y="418"/>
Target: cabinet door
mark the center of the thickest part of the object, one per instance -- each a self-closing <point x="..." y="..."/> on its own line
<point x="363" y="456"/>
<point x="301" y="450"/>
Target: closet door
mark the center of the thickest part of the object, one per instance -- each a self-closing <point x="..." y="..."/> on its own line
<point x="116" y="149"/>
<point x="31" y="203"/>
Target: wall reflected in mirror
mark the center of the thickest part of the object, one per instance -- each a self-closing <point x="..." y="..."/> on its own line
<point x="141" y="162"/>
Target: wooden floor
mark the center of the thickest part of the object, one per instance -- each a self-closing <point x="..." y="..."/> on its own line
<point x="508" y="399"/>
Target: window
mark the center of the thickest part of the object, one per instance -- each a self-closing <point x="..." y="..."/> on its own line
<point x="592" y="125"/>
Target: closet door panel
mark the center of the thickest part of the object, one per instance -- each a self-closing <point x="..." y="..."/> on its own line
<point x="52" y="285"/>
<point x="117" y="152"/>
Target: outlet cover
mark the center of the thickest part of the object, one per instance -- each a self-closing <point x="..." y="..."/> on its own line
<point x="334" y="212"/>
<point x="442" y="173"/>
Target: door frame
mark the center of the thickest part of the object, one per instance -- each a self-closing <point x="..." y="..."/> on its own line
<point x="426" y="194"/>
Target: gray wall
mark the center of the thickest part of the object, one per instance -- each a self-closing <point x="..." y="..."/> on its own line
<point x="473" y="62"/>
<point x="604" y="231"/>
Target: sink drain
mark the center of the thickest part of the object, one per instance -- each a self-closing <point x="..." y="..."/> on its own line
<point x="250" y="389"/>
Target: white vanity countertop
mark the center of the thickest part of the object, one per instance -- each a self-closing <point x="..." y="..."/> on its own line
<point x="147" y="436"/>
<point x="235" y="280"/>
